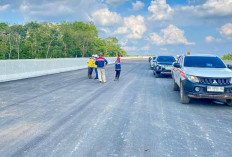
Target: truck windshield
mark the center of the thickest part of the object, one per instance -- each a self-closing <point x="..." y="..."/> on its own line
<point x="205" y="62"/>
<point x="166" y="59"/>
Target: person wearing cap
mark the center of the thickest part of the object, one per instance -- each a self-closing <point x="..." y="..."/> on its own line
<point x="101" y="63"/>
<point x="117" y="68"/>
<point x="91" y="64"/>
<point x="95" y="67"/>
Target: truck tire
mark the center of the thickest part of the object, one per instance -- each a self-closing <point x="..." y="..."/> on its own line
<point x="157" y="75"/>
<point x="184" y="99"/>
<point x="174" y="85"/>
<point x="229" y="102"/>
<point x="153" y="72"/>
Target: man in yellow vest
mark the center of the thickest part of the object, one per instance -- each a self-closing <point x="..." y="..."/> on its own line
<point x="91" y="65"/>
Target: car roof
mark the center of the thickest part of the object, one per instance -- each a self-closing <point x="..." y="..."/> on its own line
<point x="165" y="56"/>
<point x="201" y="55"/>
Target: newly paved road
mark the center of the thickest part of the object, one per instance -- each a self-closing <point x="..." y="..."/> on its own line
<point x="70" y="116"/>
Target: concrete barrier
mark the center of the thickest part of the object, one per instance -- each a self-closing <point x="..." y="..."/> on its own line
<point x="20" y="69"/>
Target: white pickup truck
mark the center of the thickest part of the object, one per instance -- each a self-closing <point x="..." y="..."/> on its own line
<point x="202" y="76"/>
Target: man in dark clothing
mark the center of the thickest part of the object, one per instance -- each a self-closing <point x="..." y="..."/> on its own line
<point x="95" y="67"/>
<point x="117" y="68"/>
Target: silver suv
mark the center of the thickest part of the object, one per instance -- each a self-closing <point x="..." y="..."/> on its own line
<point x="202" y="76"/>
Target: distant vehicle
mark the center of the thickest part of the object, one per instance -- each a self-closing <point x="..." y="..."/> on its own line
<point x="163" y="65"/>
<point x="152" y="62"/>
<point x="202" y="76"/>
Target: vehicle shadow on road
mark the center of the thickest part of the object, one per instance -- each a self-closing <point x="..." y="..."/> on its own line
<point x="164" y="76"/>
<point x="209" y="103"/>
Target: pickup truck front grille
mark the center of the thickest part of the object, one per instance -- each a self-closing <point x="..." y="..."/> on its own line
<point x="215" y="81"/>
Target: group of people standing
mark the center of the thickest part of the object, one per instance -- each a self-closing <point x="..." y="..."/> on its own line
<point x="98" y="63"/>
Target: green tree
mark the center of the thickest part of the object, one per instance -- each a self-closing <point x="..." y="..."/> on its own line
<point x="84" y="36"/>
<point x="3" y="40"/>
<point x="52" y="40"/>
<point x="227" y="57"/>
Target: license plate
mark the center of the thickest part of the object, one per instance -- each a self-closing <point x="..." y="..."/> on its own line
<point x="168" y="68"/>
<point x="215" y="89"/>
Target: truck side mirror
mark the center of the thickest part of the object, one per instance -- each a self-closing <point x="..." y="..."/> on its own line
<point x="229" y="66"/>
<point x="176" y="65"/>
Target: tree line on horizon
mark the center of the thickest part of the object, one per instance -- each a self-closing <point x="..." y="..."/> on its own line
<point x="51" y="40"/>
<point x="227" y="56"/>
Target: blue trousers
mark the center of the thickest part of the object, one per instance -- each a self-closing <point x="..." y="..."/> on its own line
<point x="96" y="73"/>
<point x="117" y="73"/>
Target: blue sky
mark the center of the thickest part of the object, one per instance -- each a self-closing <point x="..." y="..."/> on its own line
<point x="167" y="27"/>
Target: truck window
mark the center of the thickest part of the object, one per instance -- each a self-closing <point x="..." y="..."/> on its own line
<point x="166" y="59"/>
<point x="204" y="62"/>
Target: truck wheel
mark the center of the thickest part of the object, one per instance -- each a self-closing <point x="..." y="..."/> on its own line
<point x="157" y="75"/>
<point x="174" y="85"/>
<point x="153" y="72"/>
<point x="184" y="99"/>
<point x="229" y="102"/>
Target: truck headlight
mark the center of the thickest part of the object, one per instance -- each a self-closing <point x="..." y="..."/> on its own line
<point x="192" y="78"/>
<point x="160" y="67"/>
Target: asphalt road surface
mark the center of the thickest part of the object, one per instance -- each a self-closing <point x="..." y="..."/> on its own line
<point x="70" y="116"/>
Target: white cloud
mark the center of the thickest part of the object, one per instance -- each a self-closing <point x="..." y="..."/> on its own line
<point x="226" y="29"/>
<point x="128" y="48"/>
<point x="123" y="42"/>
<point x="115" y="2"/>
<point x="145" y="48"/>
<point x="138" y="5"/>
<point x="209" y="39"/>
<point x="105" y="17"/>
<point x="134" y="48"/>
<point x="156" y="39"/>
<point x="211" y="8"/>
<point x="122" y="30"/>
<point x="134" y="27"/>
<point x="170" y="36"/>
<point x="160" y="10"/>
<point x="49" y="8"/>
<point x="105" y="30"/>
<point x="57" y="10"/>
<point x="4" y="7"/>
